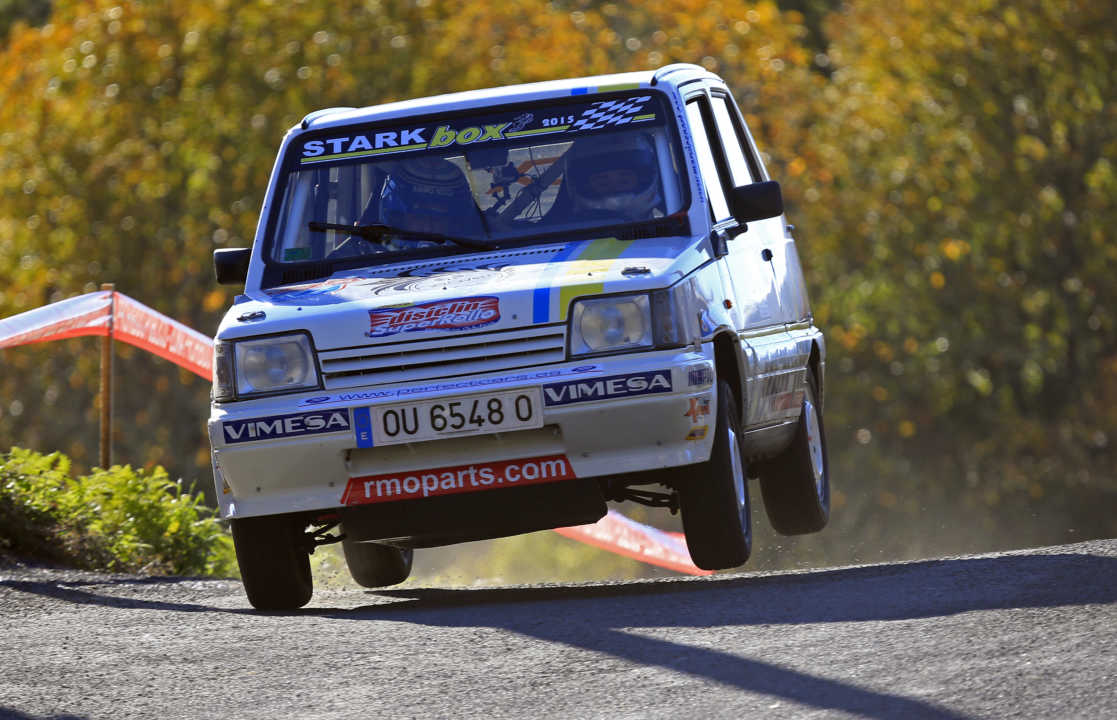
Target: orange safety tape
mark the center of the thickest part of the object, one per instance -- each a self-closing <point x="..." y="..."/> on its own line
<point x="139" y="325"/>
<point x="624" y="536"/>
<point x="82" y="315"/>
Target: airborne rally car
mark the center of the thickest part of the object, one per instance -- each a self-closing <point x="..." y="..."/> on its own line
<point x="488" y="313"/>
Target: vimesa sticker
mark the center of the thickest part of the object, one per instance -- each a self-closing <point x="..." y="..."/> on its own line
<point x="461" y="314"/>
<point x="285" y="426"/>
<point x="606" y="388"/>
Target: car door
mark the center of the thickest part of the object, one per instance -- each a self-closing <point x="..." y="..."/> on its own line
<point x="776" y="350"/>
<point x="747" y="273"/>
<point x="778" y="235"/>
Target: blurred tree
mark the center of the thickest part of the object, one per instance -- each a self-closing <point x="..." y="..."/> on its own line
<point x="31" y="12"/>
<point x="960" y="188"/>
<point x="950" y="169"/>
<point x="815" y="14"/>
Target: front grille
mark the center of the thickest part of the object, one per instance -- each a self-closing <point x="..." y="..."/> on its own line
<point x="417" y="360"/>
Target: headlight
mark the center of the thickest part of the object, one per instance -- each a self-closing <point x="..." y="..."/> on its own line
<point x="222" y="372"/>
<point x="259" y="366"/>
<point x="610" y="324"/>
<point x="659" y="319"/>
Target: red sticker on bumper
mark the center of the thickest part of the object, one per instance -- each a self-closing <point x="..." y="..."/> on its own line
<point x="411" y="484"/>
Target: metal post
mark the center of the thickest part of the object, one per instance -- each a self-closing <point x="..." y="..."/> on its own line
<point x="106" y="384"/>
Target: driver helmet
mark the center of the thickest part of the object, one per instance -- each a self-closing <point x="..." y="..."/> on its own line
<point x="429" y="195"/>
<point x="615" y="173"/>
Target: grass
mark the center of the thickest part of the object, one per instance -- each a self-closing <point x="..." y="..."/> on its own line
<point x="120" y="519"/>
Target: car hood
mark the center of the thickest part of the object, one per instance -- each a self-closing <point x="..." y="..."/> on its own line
<point x="498" y="290"/>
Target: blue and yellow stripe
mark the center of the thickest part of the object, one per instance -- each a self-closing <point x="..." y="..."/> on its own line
<point x="589" y="260"/>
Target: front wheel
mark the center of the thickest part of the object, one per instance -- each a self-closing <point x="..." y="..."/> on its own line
<point x="796" y="484"/>
<point x="274" y="563"/>
<point x="715" y="500"/>
<point x="373" y="565"/>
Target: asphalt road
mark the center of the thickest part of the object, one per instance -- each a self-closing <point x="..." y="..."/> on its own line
<point x="1025" y="634"/>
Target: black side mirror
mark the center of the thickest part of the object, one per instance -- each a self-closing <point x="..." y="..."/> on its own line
<point x="231" y="265"/>
<point x="758" y="201"/>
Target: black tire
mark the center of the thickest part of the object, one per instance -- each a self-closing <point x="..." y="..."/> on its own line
<point x="714" y="501"/>
<point x="274" y="563"/>
<point x="373" y="565"/>
<point x="796" y="483"/>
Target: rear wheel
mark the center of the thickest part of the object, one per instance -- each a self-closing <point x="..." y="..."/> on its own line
<point x="373" y="565"/>
<point x="796" y="484"/>
<point x="715" y="500"/>
<point x="274" y="563"/>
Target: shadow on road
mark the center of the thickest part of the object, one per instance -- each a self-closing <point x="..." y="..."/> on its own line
<point x="601" y="618"/>
<point x="931" y="588"/>
<point x="893" y="592"/>
<point x="102" y="591"/>
<point x="7" y="713"/>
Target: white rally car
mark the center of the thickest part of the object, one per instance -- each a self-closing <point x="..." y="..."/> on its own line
<point x="488" y="313"/>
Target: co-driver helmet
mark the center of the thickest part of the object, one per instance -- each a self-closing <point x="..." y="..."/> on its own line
<point x="613" y="173"/>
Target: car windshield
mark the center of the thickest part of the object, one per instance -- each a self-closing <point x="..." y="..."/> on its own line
<point x="484" y="180"/>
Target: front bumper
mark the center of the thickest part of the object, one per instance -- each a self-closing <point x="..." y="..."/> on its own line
<point x="316" y="466"/>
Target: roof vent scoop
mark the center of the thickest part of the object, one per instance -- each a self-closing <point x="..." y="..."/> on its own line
<point x="311" y="117"/>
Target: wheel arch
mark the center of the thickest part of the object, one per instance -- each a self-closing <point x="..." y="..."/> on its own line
<point x="816" y="366"/>
<point x="729" y="364"/>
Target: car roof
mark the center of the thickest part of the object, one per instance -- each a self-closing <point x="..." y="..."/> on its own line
<point x="667" y="77"/>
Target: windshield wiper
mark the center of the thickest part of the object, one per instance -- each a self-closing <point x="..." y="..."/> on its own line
<point x="375" y="232"/>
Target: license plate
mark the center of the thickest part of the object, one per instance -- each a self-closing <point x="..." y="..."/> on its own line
<point x="470" y="415"/>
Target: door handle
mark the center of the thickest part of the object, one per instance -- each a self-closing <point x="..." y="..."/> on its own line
<point x="766" y="255"/>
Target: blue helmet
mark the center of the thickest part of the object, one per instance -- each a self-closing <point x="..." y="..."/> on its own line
<point x="595" y="155"/>
<point x="424" y="192"/>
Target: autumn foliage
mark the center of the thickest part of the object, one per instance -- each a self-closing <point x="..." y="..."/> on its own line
<point x="949" y="167"/>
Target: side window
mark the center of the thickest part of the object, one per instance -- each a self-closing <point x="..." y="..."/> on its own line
<point x="706" y="163"/>
<point x="729" y="129"/>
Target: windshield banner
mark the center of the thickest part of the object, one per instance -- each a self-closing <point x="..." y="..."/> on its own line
<point x="552" y="119"/>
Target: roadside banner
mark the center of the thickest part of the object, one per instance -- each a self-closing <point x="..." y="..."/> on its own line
<point x="82" y="315"/>
<point x="139" y="325"/>
<point x="112" y="313"/>
<point x="622" y="535"/>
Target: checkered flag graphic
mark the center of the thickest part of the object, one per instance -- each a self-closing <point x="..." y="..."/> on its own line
<point x="610" y="112"/>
